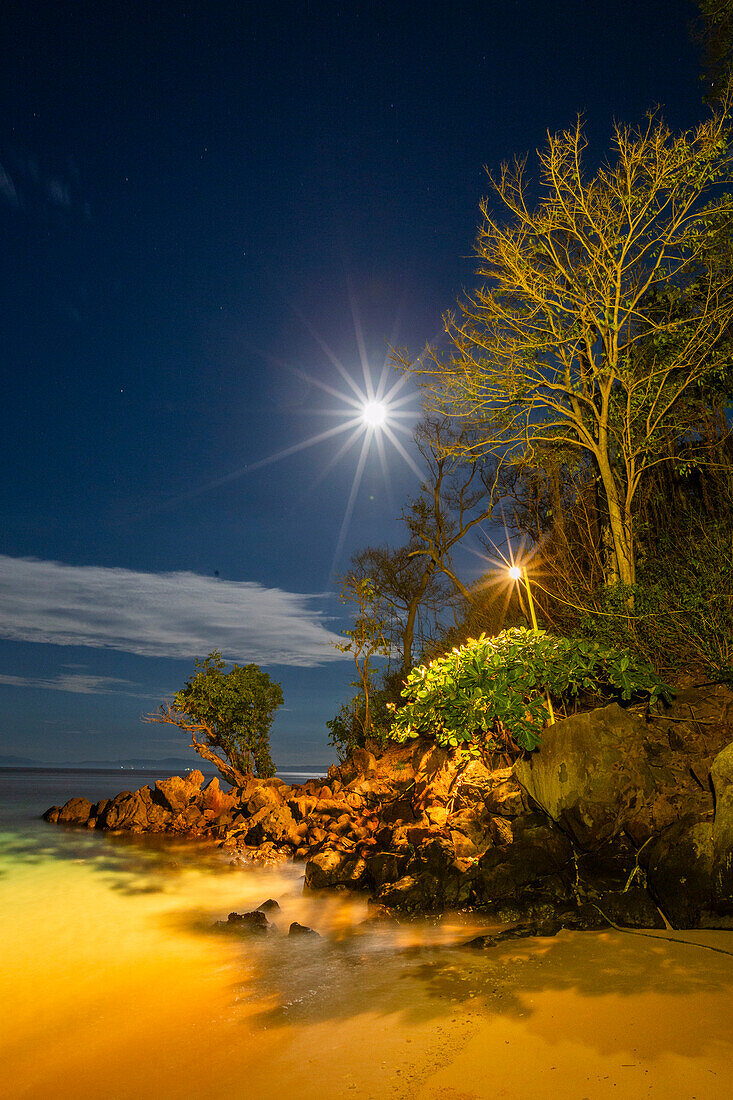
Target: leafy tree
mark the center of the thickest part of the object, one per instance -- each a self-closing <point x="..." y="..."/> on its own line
<point x="233" y="711"/>
<point x="604" y="312"/>
<point x="491" y="692"/>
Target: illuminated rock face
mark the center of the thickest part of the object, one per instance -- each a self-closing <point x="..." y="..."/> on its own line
<point x="614" y="815"/>
<point x="592" y="777"/>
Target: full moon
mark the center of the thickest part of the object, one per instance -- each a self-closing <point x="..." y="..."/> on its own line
<point x="374" y="414"/>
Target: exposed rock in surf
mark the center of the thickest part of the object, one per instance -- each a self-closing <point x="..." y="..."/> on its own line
<point x="251" y="924"/>
<point x="300" y="930"/>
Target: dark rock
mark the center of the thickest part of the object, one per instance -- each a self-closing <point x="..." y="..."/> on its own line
<point x="76" y="811"/>
<point x="268" y="906"/>
<point x="301" y="930"/>
<point x="255" y="923"/>
<point x="540" y="855"/>
<point x="592" y="777"/>
<point x="384" y="867"/>
<point x="679" y="867"/>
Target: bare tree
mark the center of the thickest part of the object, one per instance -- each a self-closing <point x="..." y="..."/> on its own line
<point x="576" y="339"/>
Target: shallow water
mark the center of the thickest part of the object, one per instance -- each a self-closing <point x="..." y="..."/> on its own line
<point x="115" y="983"/>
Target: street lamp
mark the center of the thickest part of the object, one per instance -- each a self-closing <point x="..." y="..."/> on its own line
<point x="518" y="574"/>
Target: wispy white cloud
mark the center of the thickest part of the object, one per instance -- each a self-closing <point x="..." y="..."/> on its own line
<point x="179" y="615"/>
<point x="76" y="683"/>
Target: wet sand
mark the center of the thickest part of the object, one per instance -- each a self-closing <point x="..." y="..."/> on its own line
<point x="113" y="984"/>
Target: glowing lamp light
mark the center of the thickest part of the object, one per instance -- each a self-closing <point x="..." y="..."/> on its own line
<point x="515" y="573"/>
<point x="374" y="414"/>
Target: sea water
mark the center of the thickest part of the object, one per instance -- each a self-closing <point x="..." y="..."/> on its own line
<point x="115" y="980"/>
<point x="115" y="983"/>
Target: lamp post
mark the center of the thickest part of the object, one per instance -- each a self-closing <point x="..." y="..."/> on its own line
<point x="518" y="574"/>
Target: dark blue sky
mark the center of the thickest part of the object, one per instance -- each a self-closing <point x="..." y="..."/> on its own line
<point x="198" y="201"/>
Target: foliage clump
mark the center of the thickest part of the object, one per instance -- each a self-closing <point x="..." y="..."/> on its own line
<point x="233" y="711"/>
<point x="491" y="691"/>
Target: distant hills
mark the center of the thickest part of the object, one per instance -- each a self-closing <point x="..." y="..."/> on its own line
<point x="139" y="763"/>
<point x="164" y="763"/>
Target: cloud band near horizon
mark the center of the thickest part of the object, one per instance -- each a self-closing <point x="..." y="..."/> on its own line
<point x="178" y="615"/>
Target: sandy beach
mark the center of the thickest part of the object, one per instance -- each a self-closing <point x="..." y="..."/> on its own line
<point x="117" y="986"/>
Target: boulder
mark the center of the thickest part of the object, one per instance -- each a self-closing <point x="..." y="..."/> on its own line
<point x="331" y="867"/>
<point x="722" y="834"/>
<point x="537" y="862"/>
<point x="269" y="906"/>
<point x="385" y="867"/>
<point x="272" y="822"/>
<point x="679" y="867"/>
<point x="251" y="924"/>
<point x="264" y="797"/>
<point x="134" y="811"/>
<point x="174" y="794"/>
<point x="591" y="776"/>
<point x="301" y="930"/>
<point x="76" y="811"/>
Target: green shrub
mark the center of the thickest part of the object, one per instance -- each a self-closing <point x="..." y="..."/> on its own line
<point x="491" y="691"/>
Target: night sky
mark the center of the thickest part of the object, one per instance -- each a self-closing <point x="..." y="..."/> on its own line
<point x="211" y="213"/>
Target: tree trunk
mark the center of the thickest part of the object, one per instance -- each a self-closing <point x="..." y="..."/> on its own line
<point x="233" y="776"/>
<point x="620" y="523"/>
<point x="408" y="633"/>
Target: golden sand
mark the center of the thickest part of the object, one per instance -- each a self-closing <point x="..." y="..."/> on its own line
<point x="114" y="986"/>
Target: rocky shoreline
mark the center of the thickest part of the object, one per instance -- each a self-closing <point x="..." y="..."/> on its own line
<point x="618" y="819"/>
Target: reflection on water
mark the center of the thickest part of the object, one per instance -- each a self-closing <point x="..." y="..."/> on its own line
<point x="119" y="984"/>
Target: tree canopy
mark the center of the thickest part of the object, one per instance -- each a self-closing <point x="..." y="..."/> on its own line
<point x="604" y="312"/>
<point x="232" y="712"/>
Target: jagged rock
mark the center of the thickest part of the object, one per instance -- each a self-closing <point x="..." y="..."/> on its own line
<point x="74" y="812"/>
<point x="134" y="811"/>
<point x="269" y="906"/>
<point x="334" y="868"/>
<point x="385" y="867"/>
<point x="539" y="856"/>
<point x="592" y="777"/>
<point x="264" y="797"/>
<point x="52" y="814"/>
<point x="174" y="794"/>
<point x="301" y="930"/>
<point x="272" y="822"/>
<point x="254" y="924"/>
<point x="219" y="802"/>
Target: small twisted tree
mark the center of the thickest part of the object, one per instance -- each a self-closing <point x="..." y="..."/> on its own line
<point x="232" y="712"/>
